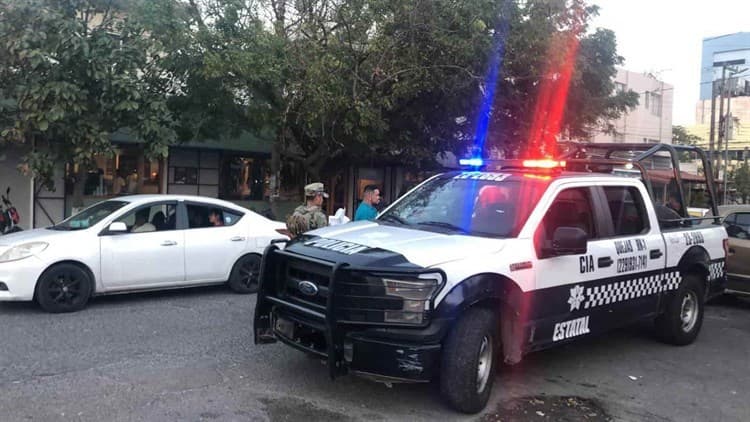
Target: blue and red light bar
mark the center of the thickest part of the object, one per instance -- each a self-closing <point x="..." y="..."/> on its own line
<point x="530" y="165"/>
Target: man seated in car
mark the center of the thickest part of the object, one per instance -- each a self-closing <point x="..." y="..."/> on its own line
<point x="141" y="223"/>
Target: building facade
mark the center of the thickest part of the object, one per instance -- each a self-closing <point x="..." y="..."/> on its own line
<point x="651" y="120"/>
<point x="728" y="56"/>
<point x="724" y="48"/>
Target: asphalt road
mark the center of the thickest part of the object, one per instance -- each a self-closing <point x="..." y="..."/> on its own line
<point x="188" y="356"/>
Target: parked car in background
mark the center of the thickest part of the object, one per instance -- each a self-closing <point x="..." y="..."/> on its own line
<point x="736" y="219"/>
<point x="135" y="243"/>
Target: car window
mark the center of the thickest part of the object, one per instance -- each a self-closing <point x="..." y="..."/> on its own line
<point x="201" y="216"/>
<point x="627" y="210"/>
<point x="151" y="218"/>
<point x="90" y="216"/>
<point x="738" y="225"/>
<point x="571" y="208"/>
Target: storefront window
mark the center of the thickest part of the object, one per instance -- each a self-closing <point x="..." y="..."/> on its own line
<point x="411" y="180"/>
<point x="244" y="178"/>
<point x="125" y="172"/>
<point x="186" y="175"/>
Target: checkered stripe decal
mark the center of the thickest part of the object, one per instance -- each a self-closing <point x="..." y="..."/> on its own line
<point x="630" y="289"/>
<point x="622" y="290"/>
<point x="716" y="270"/>
<point x="641" y="286"/>
<point x="671" y="280"/>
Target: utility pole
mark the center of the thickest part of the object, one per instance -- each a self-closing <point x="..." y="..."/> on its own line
<point x="661" y="109"/>
<point x="727" y="133"/>
<point x="721" y="119"/>
<point x="712" y="131"/>
<point x="724" y="130"/>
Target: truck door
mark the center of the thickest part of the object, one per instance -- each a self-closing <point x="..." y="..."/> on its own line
<point x="565" y="284"/>
<point x="638" y="251"/>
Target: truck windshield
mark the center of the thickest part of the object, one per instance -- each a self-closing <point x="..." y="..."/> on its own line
<point x="465" y="204"/>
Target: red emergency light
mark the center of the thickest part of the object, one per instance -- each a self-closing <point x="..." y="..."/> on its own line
<point x="544" y="164"/>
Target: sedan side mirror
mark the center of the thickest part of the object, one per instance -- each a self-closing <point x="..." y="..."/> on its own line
<point x="117" y="227"/>
<point x="568" y="241"/>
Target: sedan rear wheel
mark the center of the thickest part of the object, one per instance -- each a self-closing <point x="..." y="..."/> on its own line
<point x="245" y="274"/>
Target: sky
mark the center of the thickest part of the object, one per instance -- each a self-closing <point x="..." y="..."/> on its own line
<point x="664" y="37"/>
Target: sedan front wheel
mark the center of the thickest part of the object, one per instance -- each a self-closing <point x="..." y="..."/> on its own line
<point x="64" y="288"/>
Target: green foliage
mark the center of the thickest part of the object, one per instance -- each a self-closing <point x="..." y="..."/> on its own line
<point x="72" y="72"/>
<point x="392" y="79"/>
<point x="334" y="79"/>
<point x="680" y="136"/>
<point x="740" y="177"/>
<point x="541" y="34"/>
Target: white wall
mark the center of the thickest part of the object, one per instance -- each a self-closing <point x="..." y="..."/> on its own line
<point x="643" y="124"/>
<point x="21" y="193"/>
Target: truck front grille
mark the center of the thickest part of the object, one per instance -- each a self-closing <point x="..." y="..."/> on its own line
<point x="358" y="298"/>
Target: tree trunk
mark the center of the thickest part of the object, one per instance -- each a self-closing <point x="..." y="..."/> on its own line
<point x="275" y="186"/>
<point x="279" y="9"/>
<point x="79" y="183"/>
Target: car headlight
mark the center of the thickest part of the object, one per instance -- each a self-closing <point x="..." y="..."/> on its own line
<point x="416" y="294"/>
<point x="22" y="251"/>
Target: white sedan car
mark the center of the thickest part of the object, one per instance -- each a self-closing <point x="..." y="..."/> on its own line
<point x="136" y="243"/>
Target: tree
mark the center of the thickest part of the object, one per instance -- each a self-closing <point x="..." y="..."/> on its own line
<point x="388" y="79"/>
<point x="557" y="78"/>
<point x="73" y="72"/>
<point x="680" y="136"/>
<point x="740" y="177"/>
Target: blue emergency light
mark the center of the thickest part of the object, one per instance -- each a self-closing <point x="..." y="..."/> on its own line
<point x="471" y="162"/>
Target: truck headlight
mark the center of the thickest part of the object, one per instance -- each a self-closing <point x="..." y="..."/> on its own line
<point x="22" y="251"/>
<point x="416" y="294"/>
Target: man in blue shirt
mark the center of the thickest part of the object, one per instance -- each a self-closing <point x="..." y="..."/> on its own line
<point x="366" y="209"/>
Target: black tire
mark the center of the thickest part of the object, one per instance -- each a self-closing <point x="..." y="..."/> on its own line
<point x="244" y="278"/>
<point x="460" y="382"/>
<point x="683" y="317"/>
<point x="64" y="288"/>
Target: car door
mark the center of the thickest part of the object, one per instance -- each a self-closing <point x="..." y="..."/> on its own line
<point x="211" y="250"/>
<point x="738" y="260"/>
<point x="148" y="255"/>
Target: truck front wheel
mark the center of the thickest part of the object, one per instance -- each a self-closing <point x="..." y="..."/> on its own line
<point x="467" y="368"/>
<point x="683" y="316"/>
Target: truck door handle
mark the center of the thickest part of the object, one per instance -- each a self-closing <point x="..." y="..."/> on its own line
<point x="655" y="253"/>
<point x="237" y="239"/>
<point x="604" y="262"/>
<point x="168" y="243"/>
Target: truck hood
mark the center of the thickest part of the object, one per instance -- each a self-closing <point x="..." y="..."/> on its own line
<point x="422" y="248"/>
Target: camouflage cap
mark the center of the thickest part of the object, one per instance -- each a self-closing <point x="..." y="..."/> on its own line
<point x="315" y="188"/>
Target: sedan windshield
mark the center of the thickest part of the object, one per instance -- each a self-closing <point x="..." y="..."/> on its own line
<point x="90" y="216"/>
<point x="491" y="205"/>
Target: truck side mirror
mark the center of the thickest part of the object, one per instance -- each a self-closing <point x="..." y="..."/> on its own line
<point x="569" y="241"/>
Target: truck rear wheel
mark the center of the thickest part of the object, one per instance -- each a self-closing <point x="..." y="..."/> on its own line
<point x="467" y="369"/>
<point x="683" y="317"/>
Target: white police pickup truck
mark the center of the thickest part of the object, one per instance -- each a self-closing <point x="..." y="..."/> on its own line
<point x="473" y="265"/>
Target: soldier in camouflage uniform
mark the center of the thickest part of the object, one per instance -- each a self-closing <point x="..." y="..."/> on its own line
<point x="309" y="216"/>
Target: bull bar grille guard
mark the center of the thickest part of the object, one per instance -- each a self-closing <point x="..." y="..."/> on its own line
<point x="263" y="330"/>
